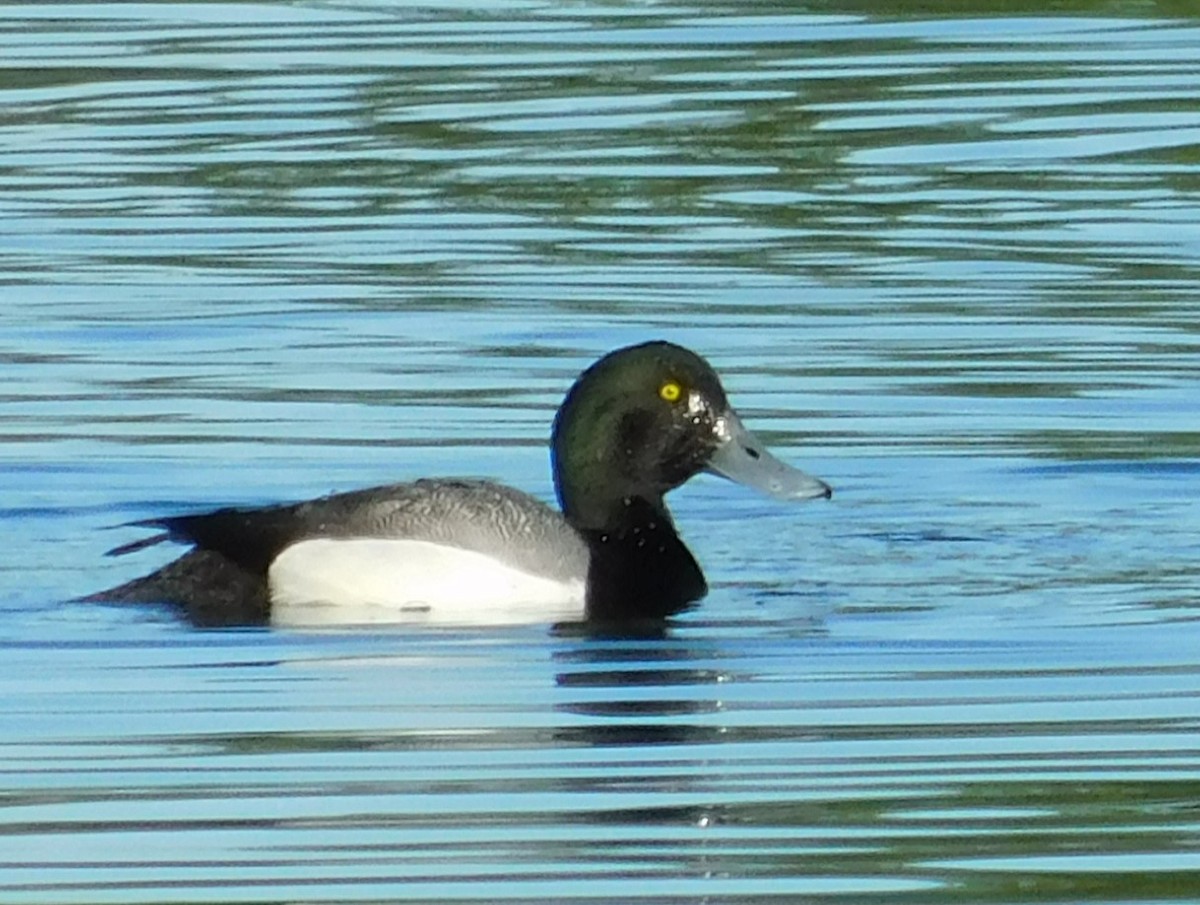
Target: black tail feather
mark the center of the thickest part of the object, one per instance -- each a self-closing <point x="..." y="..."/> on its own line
<point x="142" y="544"/>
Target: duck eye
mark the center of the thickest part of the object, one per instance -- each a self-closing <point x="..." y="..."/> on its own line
<point x="670" y="391"/>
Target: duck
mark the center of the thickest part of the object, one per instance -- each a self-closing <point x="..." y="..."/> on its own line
<point x="638" y="423"/>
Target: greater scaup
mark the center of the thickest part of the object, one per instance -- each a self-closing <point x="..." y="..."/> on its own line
<point x="639" y="422"/>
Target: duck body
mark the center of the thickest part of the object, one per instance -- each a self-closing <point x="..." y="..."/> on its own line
<point x="638" y="423"/>
<point x="427" y="550"/>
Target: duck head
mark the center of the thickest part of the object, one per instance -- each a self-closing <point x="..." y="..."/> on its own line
<point x="643" y="420"/>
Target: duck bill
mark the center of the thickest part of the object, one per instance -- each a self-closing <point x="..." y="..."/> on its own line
<point x="741" y="457"/>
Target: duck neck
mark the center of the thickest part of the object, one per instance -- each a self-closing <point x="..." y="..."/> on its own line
<point x="596" y="474"/>
<point x="613" y="458"/>
<point x="639" y="568"/>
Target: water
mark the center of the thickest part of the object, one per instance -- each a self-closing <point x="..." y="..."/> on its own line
<point x="259" y="252"/>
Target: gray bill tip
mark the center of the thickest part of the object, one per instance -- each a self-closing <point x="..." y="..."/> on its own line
<point x="743" y="458"/>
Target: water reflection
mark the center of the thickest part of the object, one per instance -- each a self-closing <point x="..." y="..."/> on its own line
<point x="709" y="759"/>
<point x="639" y="692"/>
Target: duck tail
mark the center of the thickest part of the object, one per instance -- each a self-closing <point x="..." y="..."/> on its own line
<point x="209" y="589"/>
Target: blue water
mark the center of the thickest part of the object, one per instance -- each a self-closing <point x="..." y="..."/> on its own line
<point x="253" y="253"/>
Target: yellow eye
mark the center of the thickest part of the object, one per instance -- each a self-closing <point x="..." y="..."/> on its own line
<point x="670" y="391"/>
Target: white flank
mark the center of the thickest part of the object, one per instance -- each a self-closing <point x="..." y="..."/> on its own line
<point x="331" y="581"/>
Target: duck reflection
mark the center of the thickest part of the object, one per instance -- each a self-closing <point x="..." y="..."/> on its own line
<point x="663" y="704"/>
<point x="641" y="683"/>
